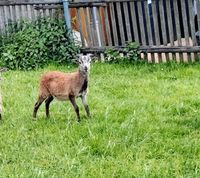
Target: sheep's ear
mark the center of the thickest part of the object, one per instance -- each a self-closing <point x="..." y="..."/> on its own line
<point x="78" y="58"/>
<point x="90" y="57"/>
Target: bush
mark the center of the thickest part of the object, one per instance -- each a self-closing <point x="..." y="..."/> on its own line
<point x="131" y="50"/>
<point x="112" y="55"/>
<point x="35" y="44"/>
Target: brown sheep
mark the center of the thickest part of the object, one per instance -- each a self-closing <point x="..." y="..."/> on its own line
<point x="65" y="86"/>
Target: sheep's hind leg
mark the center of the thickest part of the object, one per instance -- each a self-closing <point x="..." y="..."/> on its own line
<point x="85" y="103"/>
<point x="37" y="105"/>
<point x="47" y="103"/>
<point x="73" y="101"/>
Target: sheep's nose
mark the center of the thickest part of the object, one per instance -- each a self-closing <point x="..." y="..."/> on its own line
<point x="86" y="69"/>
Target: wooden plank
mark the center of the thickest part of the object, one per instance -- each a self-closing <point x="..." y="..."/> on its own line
<point x="127" y="21"/>
<point x="1" y="19"/>
<point x="184" y="16"/>
<point x="60" y="14"/>
<point x="142" y="30"/>
<point x="163" y="27"/>
<point x="198" y="13"/>
<point x="12" y="17"/>
<point x="41" y="12"/>
<point x="6" y="17"/>
<point x="170" y="24"/>
<point x="156" y="29"/>
<point x="46" y="11"/>
<point x="148" y="49"/>
<point x="23" y="12"/>
<point x="108" y="30"/>
<point x="114" y="28"/>
<point x="149" y="29"/>
<point x="25" y="2"/>
<point x="59" y="3"/>
<point x="185" y="26"/>
<point x="29" y="12"/>
<point x="120" y="21"/>
<point x="17" y="17"/>
<point x="102" y="35"/>
<point x="36" y="14"/>
<point x="92" y="27"/>
<point x="50" y="13"/>
<point x="134" y="22"/>
<point x="155" y="19"/>
<point x="163" y="24"/>
<point x="53" y="13"/>
<point x="80" y="27"/>
<point x="177" y="22"/>
<point x="192" y="26"/>
<point x="179" y="57"/>
<point x="87" y="19"/>
<point x="150" y="57"/>
<point x="170" y="27"/>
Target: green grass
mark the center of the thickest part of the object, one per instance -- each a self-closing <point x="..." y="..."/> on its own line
<point x="145" y="123"/>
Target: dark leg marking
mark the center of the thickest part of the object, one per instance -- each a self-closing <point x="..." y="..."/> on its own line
<point x="37" y="105"/>
<point x="73" y="101"/>
<point x="47" y="103"/>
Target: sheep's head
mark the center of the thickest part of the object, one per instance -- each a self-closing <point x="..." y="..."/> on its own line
<point x="84" y="63"/>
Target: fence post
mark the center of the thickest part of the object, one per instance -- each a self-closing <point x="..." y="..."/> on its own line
<point x="67" y="14"/>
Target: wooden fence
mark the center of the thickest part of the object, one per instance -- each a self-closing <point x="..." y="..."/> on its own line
<point x="165" y="29"/>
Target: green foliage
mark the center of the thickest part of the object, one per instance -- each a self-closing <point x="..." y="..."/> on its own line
<point x="35" y="44"/>
<point x="112" y="55"/>
<point x="131" y="50"/>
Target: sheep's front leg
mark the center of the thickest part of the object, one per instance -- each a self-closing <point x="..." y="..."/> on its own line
<point x="73" y="101"/>
<point x="85" y="103"/>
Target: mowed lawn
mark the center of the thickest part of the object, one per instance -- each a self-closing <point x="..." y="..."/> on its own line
<point x="145" y="123"/>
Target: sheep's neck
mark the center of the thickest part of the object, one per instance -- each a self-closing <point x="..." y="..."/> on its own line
<point x="83" y="74"/>
<point x="84" y="78"/>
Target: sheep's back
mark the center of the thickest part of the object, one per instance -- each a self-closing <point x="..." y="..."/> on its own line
<point x="58" y="84"/>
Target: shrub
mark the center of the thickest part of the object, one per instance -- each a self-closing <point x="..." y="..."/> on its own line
<point x="34" y="44"/>
<point x="112" y="55"/>
<point x="131" y="50"/>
